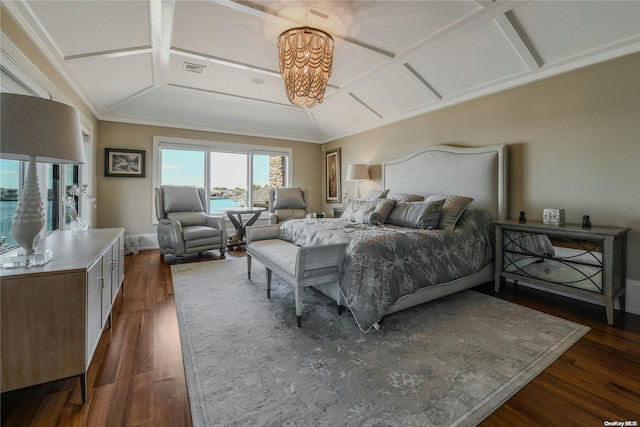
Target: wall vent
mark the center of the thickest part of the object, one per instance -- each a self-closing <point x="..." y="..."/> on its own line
<point x="193" y="68"/>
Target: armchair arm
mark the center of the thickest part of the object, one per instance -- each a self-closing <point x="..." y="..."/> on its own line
<point x="219" y="223"/>
<point x="170" y="236"/>
<point x="273" y="218"/>
<point x="262" y="232"/>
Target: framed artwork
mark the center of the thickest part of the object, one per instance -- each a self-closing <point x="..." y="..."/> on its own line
<point x="333" y="174"/>
<point x="124" y="163"/>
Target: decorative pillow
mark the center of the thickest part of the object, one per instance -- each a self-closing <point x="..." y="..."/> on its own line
<point x="384" y="207"/>
<point x="365" y="217"/>
<point x="404" y="197"/>
<point x="359" y="210"/>
<point x="374" y="195"/>
<point x="288" y="198"/>
<point x="423" y="214"/>
<point x="181" y="198"/>
<point x="452" y="209"/>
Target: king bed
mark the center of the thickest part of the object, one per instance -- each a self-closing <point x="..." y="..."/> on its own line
<point x="392" y="265"/>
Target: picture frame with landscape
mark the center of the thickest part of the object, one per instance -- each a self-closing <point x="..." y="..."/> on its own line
<point x="124" y="163"/>
<point x="333" y="176"/>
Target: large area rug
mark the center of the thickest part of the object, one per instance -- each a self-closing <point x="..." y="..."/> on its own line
<point x="448" y="362"/>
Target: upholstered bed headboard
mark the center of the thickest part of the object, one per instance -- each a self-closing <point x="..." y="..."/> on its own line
<point x="478" y="172"/>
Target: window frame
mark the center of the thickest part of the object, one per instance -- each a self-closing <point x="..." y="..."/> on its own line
<point x="209" y="146"/>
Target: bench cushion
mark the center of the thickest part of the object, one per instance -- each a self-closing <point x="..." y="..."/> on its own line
<point x="280" y="253"/>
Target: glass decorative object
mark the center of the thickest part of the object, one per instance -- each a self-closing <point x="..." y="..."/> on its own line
<point x="77" y="224"/>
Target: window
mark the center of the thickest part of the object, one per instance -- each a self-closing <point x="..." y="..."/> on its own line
<point x="235" y="174"/>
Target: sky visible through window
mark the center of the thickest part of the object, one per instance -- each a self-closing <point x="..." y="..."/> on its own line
<point x="9" y="174"/>
<point x="182" y="167"/>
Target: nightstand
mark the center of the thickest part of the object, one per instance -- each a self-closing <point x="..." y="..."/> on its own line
<point x="338" y="211"/>
<point x="589" y="263"/>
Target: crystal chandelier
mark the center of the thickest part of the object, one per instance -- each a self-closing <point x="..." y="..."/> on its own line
<point x="306" y="58"/>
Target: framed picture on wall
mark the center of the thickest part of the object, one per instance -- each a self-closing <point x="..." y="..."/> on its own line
<point x="333" y="174"/>
<point x="124" y="163"/>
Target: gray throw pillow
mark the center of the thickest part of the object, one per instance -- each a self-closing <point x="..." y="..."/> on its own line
<point x="384" y="208"/>
<point x="405" y="197"/>
<point x="181" y="198"/>
<point x="452" y="209"/>
<point x="288" y="198"/>
<point x="359" y="211"/>
<point x="423" y="214"/>
<point x="374" y="195"/>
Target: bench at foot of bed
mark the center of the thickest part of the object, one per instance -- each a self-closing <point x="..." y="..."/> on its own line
<point x="296" y="265"/>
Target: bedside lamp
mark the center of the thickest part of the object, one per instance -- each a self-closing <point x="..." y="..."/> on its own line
<point x="37" y="130"/>
<point x="357" y="172"/>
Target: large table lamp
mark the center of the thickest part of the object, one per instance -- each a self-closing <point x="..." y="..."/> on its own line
<point x="36" y="130"/>
<point x="357" y="172"/>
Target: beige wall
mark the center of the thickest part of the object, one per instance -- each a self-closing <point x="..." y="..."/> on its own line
<point x="127" y="202"/>
<point x="574" y="143"/>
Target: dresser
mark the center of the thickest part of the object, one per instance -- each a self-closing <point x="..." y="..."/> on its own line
<point x="53" y="315"/>
<point x="589" y="263"/>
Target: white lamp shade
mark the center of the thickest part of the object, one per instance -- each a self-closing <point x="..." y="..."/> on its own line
<point x="38" y="127"/>
<point x="357" y="172"/>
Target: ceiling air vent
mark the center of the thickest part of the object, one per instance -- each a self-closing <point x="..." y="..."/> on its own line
<point x="193" y="68"/>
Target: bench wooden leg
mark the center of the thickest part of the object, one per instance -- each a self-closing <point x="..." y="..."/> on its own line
<point x="268" y="282"/>
<point x="298" y="295"/>
<point x="249" y="266"/>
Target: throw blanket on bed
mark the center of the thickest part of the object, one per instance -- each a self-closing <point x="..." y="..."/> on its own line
<point x="385" y="263"/>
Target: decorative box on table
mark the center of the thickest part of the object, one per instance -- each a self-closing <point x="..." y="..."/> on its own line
<point x="552" y="216"/>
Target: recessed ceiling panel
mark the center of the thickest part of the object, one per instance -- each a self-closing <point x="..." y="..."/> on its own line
<point x="84" y="27"/>
<point x="351" y="62"/>
<point x="220" y="78"/>
<point x="391" y="91"/>
<point x="226" y="33"/>
<point x="559" y="30"/>
<point x="390" y="26"/>
<point x="204" y="111"/>
<point x="114" y="79"/>
<point x="341" y="112"/>
<point x="473" y="59"/>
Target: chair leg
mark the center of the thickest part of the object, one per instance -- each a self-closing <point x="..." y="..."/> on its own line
<point x="222" y="250"/>
<point x="249" y="266"/>
<point x="298" y="295"/>
<point x="268" y="282"/>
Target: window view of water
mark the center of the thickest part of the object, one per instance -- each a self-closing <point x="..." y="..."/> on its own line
<point x="216" y="206"/>
<point x="7" y="209"/>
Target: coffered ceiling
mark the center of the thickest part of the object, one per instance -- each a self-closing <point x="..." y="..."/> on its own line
<point x="132" y="61"/>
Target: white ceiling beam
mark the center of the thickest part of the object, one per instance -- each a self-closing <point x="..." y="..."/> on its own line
<point x="161" y="14"/>
<point x="517" y="41"/>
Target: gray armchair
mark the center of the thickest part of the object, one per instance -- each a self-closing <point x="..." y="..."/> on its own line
<point x="287" y="203"/>
<point x="184" y="227"/>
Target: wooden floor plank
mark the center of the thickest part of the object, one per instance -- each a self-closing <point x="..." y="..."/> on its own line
<point x="137" y="375"/>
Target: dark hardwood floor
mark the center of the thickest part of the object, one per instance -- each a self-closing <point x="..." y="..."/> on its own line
<point x="137" y="376"/>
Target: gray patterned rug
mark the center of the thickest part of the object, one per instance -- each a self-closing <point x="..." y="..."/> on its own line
<point x="449" y="362"/>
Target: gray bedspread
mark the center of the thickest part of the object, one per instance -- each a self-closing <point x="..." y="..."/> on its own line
<point x="385" y="263"/>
